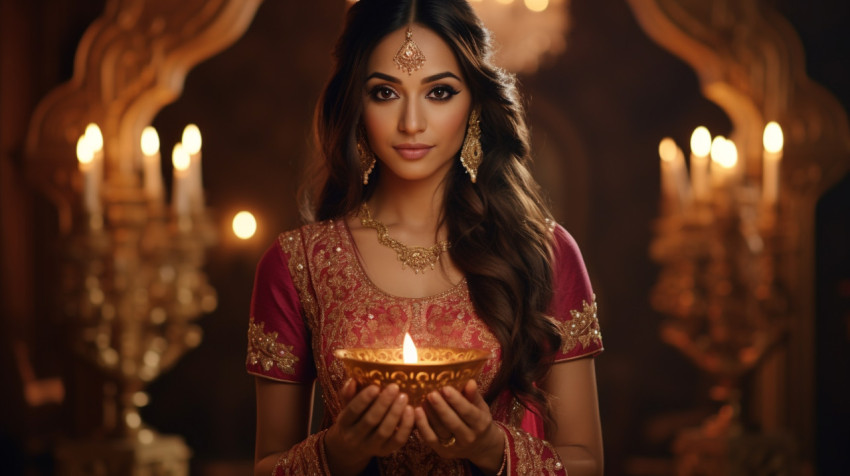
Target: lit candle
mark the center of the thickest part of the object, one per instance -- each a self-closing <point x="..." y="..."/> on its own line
<point x="151" y="166"/>
<point x="180" y="194"/>
<point x="667" y="152"/>
<point x="674" y="177"/>
<point x="700" y="149"/>
<point x="95" y="139"/>
<point x="85" y="161"/>
<point x="191" y="140"/>
<point x="724" y="159"/>
<point x="718" y="152"/>
<point x="773" y="141"/>
<point x="409" y="354"/>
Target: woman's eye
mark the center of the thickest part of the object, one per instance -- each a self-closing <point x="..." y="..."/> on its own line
<point x="442" y="93"/>
<point x="382" y="93"/>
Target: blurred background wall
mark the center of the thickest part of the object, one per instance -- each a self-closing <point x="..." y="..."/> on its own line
<point x="597" y="111"/>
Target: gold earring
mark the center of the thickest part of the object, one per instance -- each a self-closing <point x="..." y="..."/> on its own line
<point x="470" y="153"/>
<point x="367" y="157"/>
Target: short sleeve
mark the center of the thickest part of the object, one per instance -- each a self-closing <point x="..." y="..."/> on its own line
<point x="573" y="303"/>
<point x="278" y="336"/>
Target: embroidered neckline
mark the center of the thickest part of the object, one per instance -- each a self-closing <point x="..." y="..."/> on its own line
<point x="357" y="266"/>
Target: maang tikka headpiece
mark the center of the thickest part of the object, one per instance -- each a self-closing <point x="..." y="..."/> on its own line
<point x="409" y="57"/>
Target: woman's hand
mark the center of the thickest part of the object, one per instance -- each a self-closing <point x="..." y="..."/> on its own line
<point x="459" y="425"/>
<point x="371" y="423"/>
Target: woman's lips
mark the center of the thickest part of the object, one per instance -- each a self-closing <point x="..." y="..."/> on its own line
<point x="413" y="151"/>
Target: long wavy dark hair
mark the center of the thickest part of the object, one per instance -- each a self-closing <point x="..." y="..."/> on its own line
<point x="498" y="227"/>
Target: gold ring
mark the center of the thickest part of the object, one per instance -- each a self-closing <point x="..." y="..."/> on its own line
<point x="449" y="442"/>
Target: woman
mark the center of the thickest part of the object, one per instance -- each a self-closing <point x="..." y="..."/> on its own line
<point x="425" y="220"/>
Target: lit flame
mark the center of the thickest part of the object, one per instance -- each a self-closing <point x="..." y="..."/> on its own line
<point x="718" y="149"/>
<point x="724" y="152"/>
<point x="150" y="141"/>
<point x="731" y="154"/>
<point x="409" y="350"/>
<point x="772" y="138"/>
<point x="701" y="141"/>
<point x="180" y="158"/>
<point x="95" y="137"/>
<point x="667" y="149"/>
<point x="191" y="139"/>
<point x="85" y="154"/>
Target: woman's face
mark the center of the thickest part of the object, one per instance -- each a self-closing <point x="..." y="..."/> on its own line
<point x="415" y="123"/>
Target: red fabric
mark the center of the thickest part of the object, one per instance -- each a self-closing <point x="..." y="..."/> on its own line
<point x="276" y="305"/>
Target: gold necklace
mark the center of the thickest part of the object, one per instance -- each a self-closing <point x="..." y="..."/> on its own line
<point x="416" y="257"/>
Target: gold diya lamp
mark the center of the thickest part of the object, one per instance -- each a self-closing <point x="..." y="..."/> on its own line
<point x="417" y="372"/>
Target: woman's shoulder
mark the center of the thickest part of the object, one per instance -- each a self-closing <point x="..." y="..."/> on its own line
<point x="308" y="233"/>
<point x="571" y="281"/>
<point x="564" y="246"/>
<point x="292" y="247"/>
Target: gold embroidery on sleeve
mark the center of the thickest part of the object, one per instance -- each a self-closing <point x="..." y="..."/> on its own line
<point x="291" y="244"/>
<point x="530" y="454"/>
<point x="267" y="351"/>
<point x="582" y="329"/>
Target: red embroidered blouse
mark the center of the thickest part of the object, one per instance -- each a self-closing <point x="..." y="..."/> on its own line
<point x="312" y="296"/>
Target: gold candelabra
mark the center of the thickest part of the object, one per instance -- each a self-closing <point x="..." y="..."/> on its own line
<point x="719" y="245"/>
<point x="134" y="287"/>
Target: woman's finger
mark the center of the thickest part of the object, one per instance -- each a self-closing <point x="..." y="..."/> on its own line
<point x="434" y="421"/>
<point x="405" y="427"/>
<point x="352" y="412"/>
<point x="348" y="391"/>
<point x="397" y="425"/>
<point x="470" y="391"/>
<point x="475" y="416"/>
<point x="424" y="427"/>
<point x="373" y="416"/>
<point x="449" y="418"/>
<point x="387" y="426"/>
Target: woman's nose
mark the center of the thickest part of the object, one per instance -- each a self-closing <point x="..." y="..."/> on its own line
<point x="412" y="119"/>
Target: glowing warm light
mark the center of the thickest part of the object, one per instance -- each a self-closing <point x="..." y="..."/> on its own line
<point x="723" y="152"/>
<point x="701" y="141"/>
<point x="180" y="158"/>
<point x="731" y="155"/>
<point x="536" y="5"/>
<point x="85" y="153"/>
<point x="718" y="149"/>
<point x="133" y="420"/>
<point x="244" y="225"/>
<point x="140" y="399"/>
<point x="773" y="139"/>
<point x="150" y="141"/>
<point x="667" y="149"/>
<point x="94" y="136"/>
<point x="191" y="139"/>
<point x="146" y="436"/>
<point x="505" y="2"/>
<point x="409" y="350"/>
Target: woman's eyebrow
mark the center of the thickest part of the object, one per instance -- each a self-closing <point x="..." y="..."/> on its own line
<point x="436" y="77"/>
<point x="429" y="79"/>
